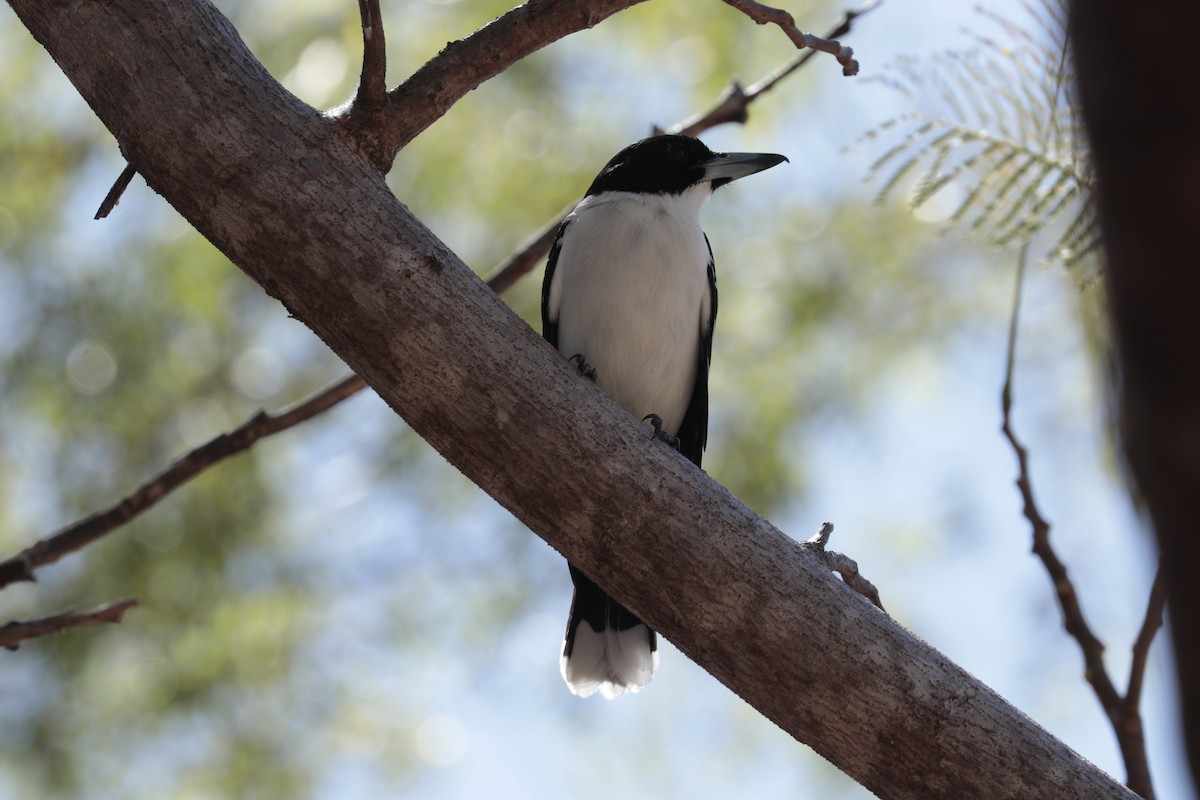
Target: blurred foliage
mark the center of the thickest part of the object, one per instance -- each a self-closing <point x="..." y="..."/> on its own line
<point x="292" y="597"/>
<point x="996" y="128"/>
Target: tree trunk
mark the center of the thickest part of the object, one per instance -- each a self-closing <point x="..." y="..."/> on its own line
<point x="1140" y="85"/>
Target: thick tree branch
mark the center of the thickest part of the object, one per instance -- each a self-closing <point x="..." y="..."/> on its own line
<point x="465" y="64"/>
<point x="74" y="537"/>
<point x="1123" y="712"/>
<point x="14" y="633"/>
<point x="259" y="174"/>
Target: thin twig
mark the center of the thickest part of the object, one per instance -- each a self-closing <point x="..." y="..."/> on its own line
<point x="114" y="194"/>
<point x="765" y="15"/>
<point x="733" y="106"/>
<point x="1152" y="621"/>
<point x="1122" y="712"/>
<point x="46" y="551"/>
<point x="14" y="633"/>
<point x="1128" y="725"/>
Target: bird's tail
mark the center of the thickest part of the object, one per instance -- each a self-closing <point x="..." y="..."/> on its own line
<point x="606" y="647"/>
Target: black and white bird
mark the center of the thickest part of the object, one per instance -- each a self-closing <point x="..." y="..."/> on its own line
<point x="630" y="296"/>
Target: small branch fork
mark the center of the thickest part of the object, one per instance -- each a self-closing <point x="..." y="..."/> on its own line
<point x="366" y="114"/>
<point x="1122" y="710"/>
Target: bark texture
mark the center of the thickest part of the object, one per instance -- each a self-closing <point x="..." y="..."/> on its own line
<point x="280" y="189"/>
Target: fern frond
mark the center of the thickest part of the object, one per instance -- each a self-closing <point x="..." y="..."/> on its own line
<point x="998" y="121"/>
<point x="987" y="180"/>
<point x="965" y="165"/>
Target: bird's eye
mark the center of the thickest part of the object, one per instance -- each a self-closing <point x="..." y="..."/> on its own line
<point x="676" y="152"/>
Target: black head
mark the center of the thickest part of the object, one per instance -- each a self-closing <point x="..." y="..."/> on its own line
<point x="670" y="164"/>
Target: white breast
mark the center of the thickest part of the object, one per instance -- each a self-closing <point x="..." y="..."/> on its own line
<point x="630" y="293"/>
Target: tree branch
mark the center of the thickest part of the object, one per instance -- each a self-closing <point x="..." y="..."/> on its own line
<point x="372" y="84"/>
<point x="259" y="173"/>
<point x="765" y="15"/>
<point x="1152" y="621"/>
<point x="1122" y="712"/>
<point x="74" y="537"/>
<point x="1128" y="722"/>
<point x="14" y="633"/>
<point x="465" y="64"/>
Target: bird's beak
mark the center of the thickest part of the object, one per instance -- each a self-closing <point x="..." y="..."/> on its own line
<point x="725" y="167"/>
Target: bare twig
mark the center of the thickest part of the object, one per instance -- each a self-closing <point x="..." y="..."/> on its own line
<point x="1141" y="646"/>
<point x="844" y="27"/>
<point x="1128" y="725"/>
<point x="764" y="15"/>
<point x="372" y="84"/>
<point x="46" y="551"/>
<point x="114" y="194"/>
<point x="1123" y="713"/>
<point x="844" y="566"/>
<point x="733" y="106"/>
<point x="14" y="633"/>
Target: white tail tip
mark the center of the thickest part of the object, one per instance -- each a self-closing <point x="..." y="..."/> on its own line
<point x="611" y="662"/>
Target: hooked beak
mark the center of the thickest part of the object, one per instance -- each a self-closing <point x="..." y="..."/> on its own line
<point x="726" y="167"/>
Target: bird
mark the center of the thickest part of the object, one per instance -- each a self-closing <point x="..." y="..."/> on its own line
<point x="630" y="298"/>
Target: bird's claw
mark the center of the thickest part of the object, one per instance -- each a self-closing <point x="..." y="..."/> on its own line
<point x="581" y="364"/>
<point x="660" y="433"/>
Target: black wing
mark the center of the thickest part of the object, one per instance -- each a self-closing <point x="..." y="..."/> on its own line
<point x="550" y="326"/>
<point x="693" y="431"/>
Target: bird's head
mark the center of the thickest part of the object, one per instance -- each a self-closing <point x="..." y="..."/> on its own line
<point x="672" y="164"/>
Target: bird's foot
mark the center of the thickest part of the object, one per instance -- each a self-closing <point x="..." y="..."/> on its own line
<point x="660" y="433"/>
<point x="581" y="364"/>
